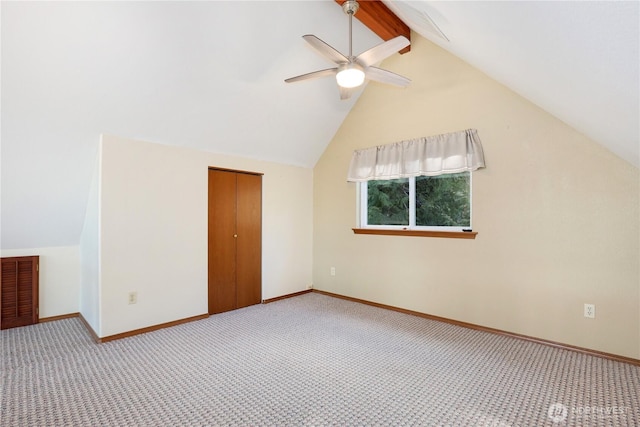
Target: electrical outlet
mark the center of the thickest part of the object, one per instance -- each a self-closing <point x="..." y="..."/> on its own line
<point x="590" y="311"/>
<point x="333" y="271"/>
<point x="133" y="297"/>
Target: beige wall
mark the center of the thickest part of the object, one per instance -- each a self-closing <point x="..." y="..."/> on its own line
<point x="153" y="231"/>
<point x="557" y="215"/>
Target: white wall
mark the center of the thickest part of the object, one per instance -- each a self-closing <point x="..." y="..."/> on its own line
<point x="90" y="252"/>
<point x="153" y="231"/>
<point x="59" y="279"/>
<point x="558" y="216"/>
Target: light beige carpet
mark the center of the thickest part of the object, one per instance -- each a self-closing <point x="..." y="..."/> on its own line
<point x="308" y="360"/>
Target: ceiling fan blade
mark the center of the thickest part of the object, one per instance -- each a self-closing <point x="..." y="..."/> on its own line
<point x="382" y="51"/>
<point x="312" y="75"/>
<point x="325" y="50"/>
<point x="384" y="76"/>
<point x="345" y="93"/>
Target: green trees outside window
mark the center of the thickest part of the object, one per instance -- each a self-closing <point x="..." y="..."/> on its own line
<point x="388" y="202"/>
<point x="443" y="200"/>
<point x="424" y="201"/>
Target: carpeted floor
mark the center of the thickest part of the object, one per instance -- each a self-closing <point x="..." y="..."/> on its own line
<point x="308" y="360"/>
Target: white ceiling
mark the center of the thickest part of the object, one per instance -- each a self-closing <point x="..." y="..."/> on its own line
<point x="578" y="60"/>
<point x="209" y="75"/>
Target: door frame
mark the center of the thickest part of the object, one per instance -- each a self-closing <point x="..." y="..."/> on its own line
<point x="236" y="171"/>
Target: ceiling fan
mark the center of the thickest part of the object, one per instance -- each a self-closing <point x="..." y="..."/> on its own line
<point x="351" y="71"/>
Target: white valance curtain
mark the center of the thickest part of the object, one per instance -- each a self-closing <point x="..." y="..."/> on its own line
<point x="432" y="155"/>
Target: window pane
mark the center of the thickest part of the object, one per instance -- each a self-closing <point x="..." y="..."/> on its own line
<point x="388" y="202"/>
<point x="443" y="200"/>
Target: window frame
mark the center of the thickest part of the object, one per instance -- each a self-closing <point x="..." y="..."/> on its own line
<point x="363" y="211"/>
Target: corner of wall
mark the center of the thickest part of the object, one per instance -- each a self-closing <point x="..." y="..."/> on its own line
<point x="90" y="250"/>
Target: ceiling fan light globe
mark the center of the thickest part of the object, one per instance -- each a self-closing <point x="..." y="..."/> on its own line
<point x="350" y="77"/>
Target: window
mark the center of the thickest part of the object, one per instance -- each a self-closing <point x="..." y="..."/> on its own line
<point x="441" y="202"/>
<point x="417" y="187"/>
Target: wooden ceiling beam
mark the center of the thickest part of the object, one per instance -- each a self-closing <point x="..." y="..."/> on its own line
<point x="382" y="21"/>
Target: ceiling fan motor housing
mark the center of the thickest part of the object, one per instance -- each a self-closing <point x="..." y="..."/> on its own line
<point x="350" y="7"/>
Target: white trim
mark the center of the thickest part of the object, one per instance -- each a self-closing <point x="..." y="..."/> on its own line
<point x="412" y="202"/>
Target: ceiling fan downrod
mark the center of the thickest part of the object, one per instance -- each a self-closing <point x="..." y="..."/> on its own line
<point x="350" y="7"/>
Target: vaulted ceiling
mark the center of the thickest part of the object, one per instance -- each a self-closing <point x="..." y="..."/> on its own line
<point x="209" y="75"/>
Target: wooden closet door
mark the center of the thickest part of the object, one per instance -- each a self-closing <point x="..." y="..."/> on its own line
<point x="249" y="241"/>
<point x="19" y="291"/>
<point x="222" y="241"/>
